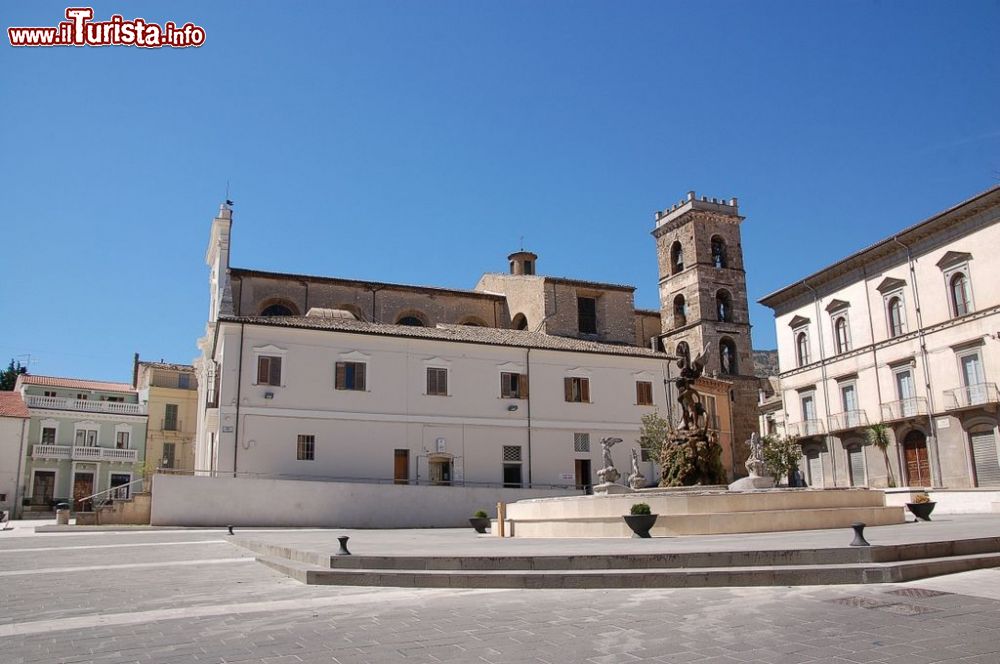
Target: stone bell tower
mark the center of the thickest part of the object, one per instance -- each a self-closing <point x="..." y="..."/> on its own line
<point x="703" y="298"/>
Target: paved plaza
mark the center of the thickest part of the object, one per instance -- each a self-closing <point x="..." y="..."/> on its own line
<point x="191" y="596"/>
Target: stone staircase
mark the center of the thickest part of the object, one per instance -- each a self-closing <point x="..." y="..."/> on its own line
<point x="844" y="565"/>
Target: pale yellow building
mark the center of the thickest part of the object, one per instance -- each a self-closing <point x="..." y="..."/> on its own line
<point x="171" y="394"/>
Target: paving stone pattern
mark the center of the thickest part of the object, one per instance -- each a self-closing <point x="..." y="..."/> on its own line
<point x="235" y="610"/>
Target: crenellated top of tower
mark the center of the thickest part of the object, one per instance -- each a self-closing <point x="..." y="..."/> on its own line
<point x="692" y="202"/>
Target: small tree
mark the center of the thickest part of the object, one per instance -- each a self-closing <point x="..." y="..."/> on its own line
<point x="781" y="455"/>
<point x="653" y="434"/>
<point x="878" y="435"/>
<point x="9" y="375"/>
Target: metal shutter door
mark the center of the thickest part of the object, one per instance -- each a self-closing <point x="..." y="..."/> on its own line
<point x="815" y="471"/>
<point x="984" y="454"/>
<point x="857" y="461"/>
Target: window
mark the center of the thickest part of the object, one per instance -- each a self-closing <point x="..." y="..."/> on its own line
<point x="121" y="440"/>
<point x="529" y="267"/>
<point x="49" y="393"/>
<point x="802" y="348"/>
<point x="410" y="321"/>
<point x="581" y="442"/>
<point x="577" y="389"/>
<point x="170" y="417"/>
<point x="350" y="376"/>
<point x="306" y="447"/>
<point x="683" y="350"/>
<point x="727" y="357"/>
<point x="85" y="438"/>
<point x="680" y="311"/>
<point x="513" y="385"/>
<point x="960" y="301"/>
<point x="643" y="393"/>
<point x="519" y="322"/>
<point x="512" y="466"/>
<point x="711" y="412"/>
<point x="840" y="334"/>
<point x="897" y="317"/>
<point x="724" y="306"/>
<point x="184" y="381"/>
<point x="169" y="455"/>
<point x="81" y="397"/>
<point x="718" y="252"/>
<point x="268" y="370"/>
<point x="116" y="399"/>
<point x="973" y="377"/>
<point x="48" y="435"/>
<point x="676" y="257"/>
<point x="437" y="382"/>
<point x="586" y="308"/>
<point x="277" y="310"/>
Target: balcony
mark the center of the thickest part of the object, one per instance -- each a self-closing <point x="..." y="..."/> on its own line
<point x="849" y="419"/>
<point x="973" y="396"/>
<point x="806" y="428"/>
<point x="904" y="409"/>
<point x="77" y="453"/>
<point x="85" y="405"/>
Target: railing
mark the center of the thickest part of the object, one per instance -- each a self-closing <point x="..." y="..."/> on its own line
<point x="86" y="405"/>
<point x="849" y="419"/>
<point x="806" y="428"/>
<point x="173" y="381"/>
<point x="120" y="492"/>
<point x="171" y="425"/>
<point x="904" y="409"/>
<point x="82" y="453"/>
<point x="971" y="396"/>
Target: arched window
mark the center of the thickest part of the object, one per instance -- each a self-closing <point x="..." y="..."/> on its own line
<point x="676" y="257"/>
<point x="727" y="357"/>
<point x="519" y="322"/>
<point x="897" y="319"/>
<point x="412" y="321"/>
<point x="473" y="321"/>
<point x="683" y="350"/>
<point x="276" y="310"/>
<point x="724" y="306"/>
<point x="802" y="348"/>
<point x="960" y="301"/>
<point x="718" y="251"/>
<point x="840" y="335"/>
<point x="680" y="311"/>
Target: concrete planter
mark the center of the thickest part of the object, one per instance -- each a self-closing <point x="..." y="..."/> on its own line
<point x="921" y="510"/>
<point x="640" y="523"/>
<point x="480" y="524"/>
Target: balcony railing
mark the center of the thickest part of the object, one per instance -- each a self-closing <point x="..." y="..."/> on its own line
<point x="904" y="409"/>
<point x="80" y="453"/>
<point x="849" y="419"/>
<point x="86" y="405"/>
<point x="971" y="396"/>
<point x="806" y="428"/>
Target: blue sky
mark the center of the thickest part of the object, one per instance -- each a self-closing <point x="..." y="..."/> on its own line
<point x="417" y="142"/>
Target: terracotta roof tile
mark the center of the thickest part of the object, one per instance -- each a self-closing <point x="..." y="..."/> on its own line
<point x="12" y="405"/>
<point x="53" y="381"/>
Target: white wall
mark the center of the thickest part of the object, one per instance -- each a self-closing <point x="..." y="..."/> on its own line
<point x="206" y="501"/>
<point x="13" y="435"/>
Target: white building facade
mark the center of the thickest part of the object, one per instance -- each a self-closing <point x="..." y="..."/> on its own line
<point x="905" y="333"/>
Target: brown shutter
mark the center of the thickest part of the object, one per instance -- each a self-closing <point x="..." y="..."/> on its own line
<point x="359" y="376"/>
<point x="263" y="370"/>
<point x="505" y="384"/>
<point x="275" y="371"/>
<point x="568" y="388"/>
<point x="524" y="386"/>
<point x="443" y="375"/>
<point x="340" y="376"/>
<point x="585" y="390"/>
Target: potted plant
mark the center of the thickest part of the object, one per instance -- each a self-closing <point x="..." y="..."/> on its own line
<point x="921" y="507"/>
<point x="480" y="521"/>
<point x="640" y="519"/>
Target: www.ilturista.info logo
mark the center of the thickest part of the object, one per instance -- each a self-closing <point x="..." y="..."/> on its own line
<point x="80" y="30"/>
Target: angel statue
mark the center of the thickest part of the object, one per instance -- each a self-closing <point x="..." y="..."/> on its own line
<point x="688" y="397"/>
<point x="608" y="473"/>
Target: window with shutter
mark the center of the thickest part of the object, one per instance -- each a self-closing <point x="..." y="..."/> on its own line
<point x="437" y="382"/>
<point x="268" y="370"/>
<point x="577" y="390"/>
<point x="513" y="385"/>
<point x="350" y="376"/>
<point x="644" y="393"/>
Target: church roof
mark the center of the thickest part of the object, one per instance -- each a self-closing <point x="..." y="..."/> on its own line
<point x="360" y="283"/>
<point x="457" y="333"/>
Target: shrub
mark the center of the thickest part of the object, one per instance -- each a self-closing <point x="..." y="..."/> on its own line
<point x="480" y="514"/>
<point x="640" y="508"/>
<point x="921" y="498"/>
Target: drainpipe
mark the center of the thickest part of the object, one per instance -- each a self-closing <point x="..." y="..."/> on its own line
<point x="18" y="510"/>
<point x="527" y="374"/>
<point x="239" y="391"/>
<point x="936" y="478"/>
<point x="826" y="393"/>
<point x="878" y="381"/>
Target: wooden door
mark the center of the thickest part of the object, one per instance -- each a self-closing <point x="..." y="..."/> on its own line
<point x="83" y="486"/>
<point x="918" y="469"/>
<point x="44" y="488"/>
<point x="583" y="479"/>
<point x="401" y="467"/>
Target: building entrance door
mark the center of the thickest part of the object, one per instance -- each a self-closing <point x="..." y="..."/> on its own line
<point x="918" y="469"/>
<point x="583" y="477"/>
<point x="44" y="487"/>
<point x="439" y="469"/>
<point x="83" y="486"/>
<point x="401" y="467"/>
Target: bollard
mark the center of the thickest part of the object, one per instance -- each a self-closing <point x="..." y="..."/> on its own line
<point x="230" y="529"/>
<point x="501" y="518"/>
<point x="343" y="546"/>
<point x="859" y="535"/>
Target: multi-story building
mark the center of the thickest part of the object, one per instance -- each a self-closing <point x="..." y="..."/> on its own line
<point x="13" y="438"/>
<point x="84" y="437"/>
<point x="170" y="393"/>
<point x="907" y="333"/>
<point x="320" y="376"/>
